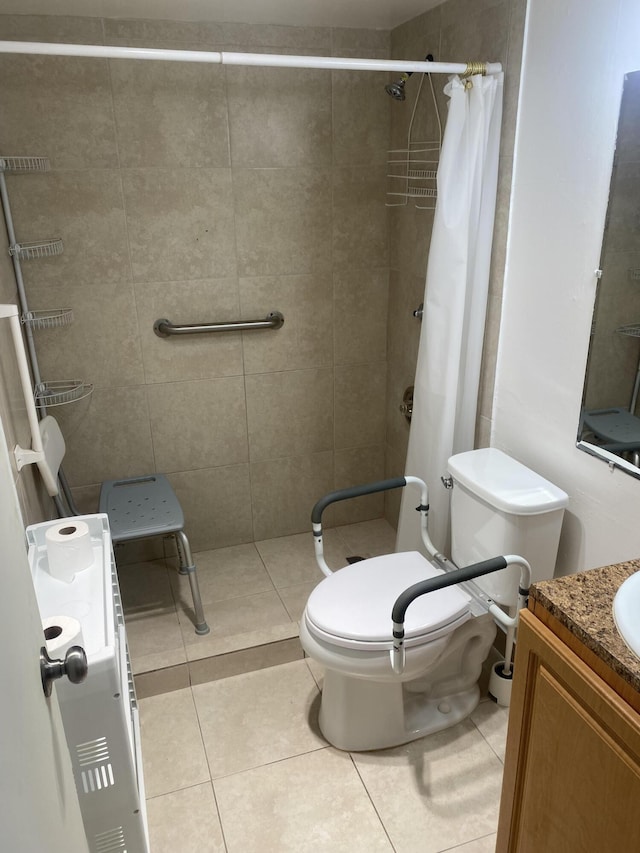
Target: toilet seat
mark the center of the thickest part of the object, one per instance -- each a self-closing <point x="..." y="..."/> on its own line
<point x="352" y="607"/>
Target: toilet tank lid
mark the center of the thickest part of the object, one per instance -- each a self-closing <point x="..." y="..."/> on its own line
<point x="504" y="483"/>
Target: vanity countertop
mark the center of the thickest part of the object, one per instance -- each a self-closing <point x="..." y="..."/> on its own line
<point x="583" y="604"/>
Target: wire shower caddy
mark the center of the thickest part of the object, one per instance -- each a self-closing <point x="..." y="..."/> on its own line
<point x="413" y="170"/>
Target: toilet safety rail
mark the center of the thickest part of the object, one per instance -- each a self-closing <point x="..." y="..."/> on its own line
<point x="475" y="570"/>
<point x="370" y="489"/>
<point x="165" y="328"/>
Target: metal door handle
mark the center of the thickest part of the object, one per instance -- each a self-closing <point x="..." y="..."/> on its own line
<point x="74" y="666"/>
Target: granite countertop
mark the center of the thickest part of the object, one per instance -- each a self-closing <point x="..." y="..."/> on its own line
<point x="583" y="603"/>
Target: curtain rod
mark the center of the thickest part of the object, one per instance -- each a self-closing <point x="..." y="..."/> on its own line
<point x="258" y="59"/>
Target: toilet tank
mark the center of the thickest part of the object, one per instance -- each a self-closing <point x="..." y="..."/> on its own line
<point x="499" y="507"/>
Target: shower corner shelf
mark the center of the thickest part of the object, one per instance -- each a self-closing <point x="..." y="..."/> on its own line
<point x="59" y="392"/>
<point x="632" y="330"/>
<point x="54" y="318"/>
<point x="24" y="164"/>
<point x="38" y="249"/>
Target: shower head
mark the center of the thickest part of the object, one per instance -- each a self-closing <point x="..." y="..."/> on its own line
<point x="396" y="90"/>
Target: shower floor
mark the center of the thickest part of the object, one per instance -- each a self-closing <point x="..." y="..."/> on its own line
<point x="253" y="597"/>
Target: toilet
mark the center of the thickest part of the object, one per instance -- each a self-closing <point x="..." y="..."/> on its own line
<point x="498" y="507"/>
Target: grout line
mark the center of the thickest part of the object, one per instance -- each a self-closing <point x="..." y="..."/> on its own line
<point x="464" y="843"/>
<point x="371" y="801"/>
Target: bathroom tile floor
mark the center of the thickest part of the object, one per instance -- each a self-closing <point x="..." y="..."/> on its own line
<point x="253" y="596"/>
<point x="238" y="765"/>
<point x="233" y="757"/>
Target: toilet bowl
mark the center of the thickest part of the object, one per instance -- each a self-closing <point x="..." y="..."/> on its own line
<point x="346" y="627"/>
<point x="385" y="683"/>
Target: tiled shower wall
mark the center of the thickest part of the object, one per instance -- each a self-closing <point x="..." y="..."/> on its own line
<point x="203" y="193"/>
<point x="458" y="30"/>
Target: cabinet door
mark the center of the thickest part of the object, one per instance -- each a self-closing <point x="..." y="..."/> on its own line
<point x="572" y="773"/>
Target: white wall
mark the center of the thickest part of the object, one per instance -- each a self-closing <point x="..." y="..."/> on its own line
<point x="576" y="52"/>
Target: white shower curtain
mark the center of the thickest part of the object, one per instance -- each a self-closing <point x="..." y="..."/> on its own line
<point x="448" y="370"/>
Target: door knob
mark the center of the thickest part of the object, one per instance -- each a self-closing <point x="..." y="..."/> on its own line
<point x="74" y="666"/>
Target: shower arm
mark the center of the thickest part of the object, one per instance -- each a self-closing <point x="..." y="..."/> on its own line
<point x="372" y="489"/>
<point x="476" y="570"/>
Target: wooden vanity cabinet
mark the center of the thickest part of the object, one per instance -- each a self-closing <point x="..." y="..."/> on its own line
<point x="572" y="768"/>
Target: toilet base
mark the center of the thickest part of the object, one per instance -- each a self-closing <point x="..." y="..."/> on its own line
<point x="358" y="715"/>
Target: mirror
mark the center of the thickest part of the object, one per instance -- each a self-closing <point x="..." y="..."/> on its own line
<point x="610" y="418"/>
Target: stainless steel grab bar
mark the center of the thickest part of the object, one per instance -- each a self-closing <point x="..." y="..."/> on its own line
<point x="164" y="328"/>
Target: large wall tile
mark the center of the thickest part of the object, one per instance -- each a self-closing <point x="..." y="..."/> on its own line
<point x="361" y="114"/>
<point x="355" y="467"/>
<point x="107" y="436"/>
<point x="360" y="237"/>
<point x="397" y="426"/>
<point x="170" y="114"/>
<point x="198" y="424"/>
<point x="58" y="107"/>
<point x="283" y="220"/>
<point x="474" y="31"/>
<point x="217" y="506"/>
<point x="410" y="238"/>
<point x="361" y="298"/>
<point x="284" y="492"/>
<point x="102" y="344"/>
<point x="279" y="117"/>
<point x="201" y="356"/>
<point x="355" y="39"/>
<point x="85" y="209"/>
<point x="260" y="36"/>
<point x="180" y="223"/>
<point x="359" y="401"/>
<point x="182" y="35"/>
<point x="289" y="413"/>
<point x="406" y="294"/>
<point x="55" y="28"/>
<point x="306" y="338"/>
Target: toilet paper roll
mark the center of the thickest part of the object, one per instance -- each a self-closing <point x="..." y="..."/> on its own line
<point x="60" y="633"/>
<point x="69" y="549"/>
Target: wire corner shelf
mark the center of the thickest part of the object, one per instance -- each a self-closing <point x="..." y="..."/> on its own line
<point x="24" y="164"/>
<point x="37" y="249"/>
<point x="51" y="318"/>
<point x="631" y="330"/>
<point x="61" y="391"/>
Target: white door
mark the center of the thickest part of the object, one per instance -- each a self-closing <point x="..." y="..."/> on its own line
<point x="39" y="811"/>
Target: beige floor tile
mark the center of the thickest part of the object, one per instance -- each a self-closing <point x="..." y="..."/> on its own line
<point x="235" y="616"/>
<point x="205" y="647"/>
<point x="291" y="559"/>
<point x="437" y="792"/>
<point x="487" y="844"/>
<point x="295" y="598"/>
<point x="313" y="802"/>
<point x="158" y="660"/>
<point x="145" y="586"/>
<point x="317" y="671"/>
<point x="368" y="538"/>
<point x="263" y="715"/>
<point x="225" y="573"/>
<point x="153" y="633"/>
<point x="185" y="820"/>
<point x="172" y="748"/>
<point x="492" y="720"/>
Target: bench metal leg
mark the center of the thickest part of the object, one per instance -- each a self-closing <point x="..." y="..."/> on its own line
<point x="187" y="567"/>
